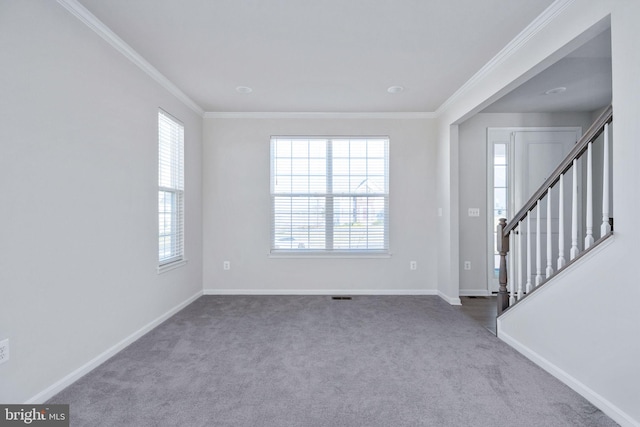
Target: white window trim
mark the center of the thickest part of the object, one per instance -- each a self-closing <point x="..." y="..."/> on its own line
<point x="293" y="254"/>
<point x="330" y="253"/>
<point x="179" y="259"/>
<point x="163" y="268"/>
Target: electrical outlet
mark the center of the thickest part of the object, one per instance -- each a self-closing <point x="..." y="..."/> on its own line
<point x="413" y="265"/>
<point x="474" y="211"/>
<point x="467" y="265"/>
<point x="4" y="350"/>
<point x="226" y="265"/>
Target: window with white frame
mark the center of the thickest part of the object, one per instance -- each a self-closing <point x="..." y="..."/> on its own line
<point x="330" y="194"/>
<point x="500" y="194"/>
<point x="170" y="189"/>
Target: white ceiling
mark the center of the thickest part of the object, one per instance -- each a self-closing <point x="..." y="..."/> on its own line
<point x="317" y="55"/>
<point x="585" y="73"/>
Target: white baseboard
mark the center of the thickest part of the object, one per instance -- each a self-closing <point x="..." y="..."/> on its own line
<point x="450" y="300"/>
<point x="600" y="402"/>
<point x="66" y="381"/>
<point x="320" y="292"/>
<point x="474" y="293"/>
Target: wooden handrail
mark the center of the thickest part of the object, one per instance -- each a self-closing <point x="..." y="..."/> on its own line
<point x="581" y="146"/>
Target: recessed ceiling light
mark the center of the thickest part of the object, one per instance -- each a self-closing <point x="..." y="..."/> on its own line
<point x="395" y="89"/>
<point x="244" y="89"/>
<point x="555" y="90"/>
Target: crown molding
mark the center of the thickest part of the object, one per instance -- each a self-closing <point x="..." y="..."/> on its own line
<point x="512" y="47"/>
<point x="317" y="115"/>
<point x="80" y="12"/>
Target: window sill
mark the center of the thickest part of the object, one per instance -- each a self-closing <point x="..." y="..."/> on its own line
<point x="171" y="266"/>
<point x="328" y="255"/>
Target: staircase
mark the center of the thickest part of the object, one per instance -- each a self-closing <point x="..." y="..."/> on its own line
<point x="568" y="216"/>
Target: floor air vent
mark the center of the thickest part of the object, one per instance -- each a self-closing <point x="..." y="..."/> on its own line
<point x="341" y="298"/>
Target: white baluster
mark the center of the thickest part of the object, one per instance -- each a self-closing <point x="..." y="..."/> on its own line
<point x="561" y="260"/>
<point x="574" y="213"/>
<point x="512" y="282"/>
<point x="528" y="285"/>
<point x="538" y="247"/>
<point x="606" y="226"/>
<point x="588" y="239"/>
<point x="519" y="237"/>
<point x="549" y="270"/>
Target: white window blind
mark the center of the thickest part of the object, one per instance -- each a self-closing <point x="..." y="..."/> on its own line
<point x="170" y="189"/>
<point x="330" y="194"/>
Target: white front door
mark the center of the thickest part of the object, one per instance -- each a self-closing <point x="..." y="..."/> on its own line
<point x="521" y="159"/>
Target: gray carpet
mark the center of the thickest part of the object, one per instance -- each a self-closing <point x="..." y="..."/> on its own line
<point x="311" y="361"/>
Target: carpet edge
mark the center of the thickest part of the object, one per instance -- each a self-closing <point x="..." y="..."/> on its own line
<point x="561" y="375"/>
<point x="78" y="373"/>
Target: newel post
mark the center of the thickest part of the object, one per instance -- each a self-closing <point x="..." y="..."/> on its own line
<point x="503" y="249"/>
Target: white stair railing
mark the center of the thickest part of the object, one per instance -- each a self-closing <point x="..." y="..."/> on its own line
<point x="605" y="227"/>
<point x="561" y="260"/>
<point x="549" y="270"/>
<point x="574" y="212"/>
<point x="580" y="162"/>
<point x="588" y="239"/>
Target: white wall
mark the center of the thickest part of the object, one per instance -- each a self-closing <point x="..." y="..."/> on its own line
<point x="78" y="178"/>
<point x="583" y="329"/>
<point x="473" y="239"/>
<point x="447" y="219"/>
<point x="237" y="210"/>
